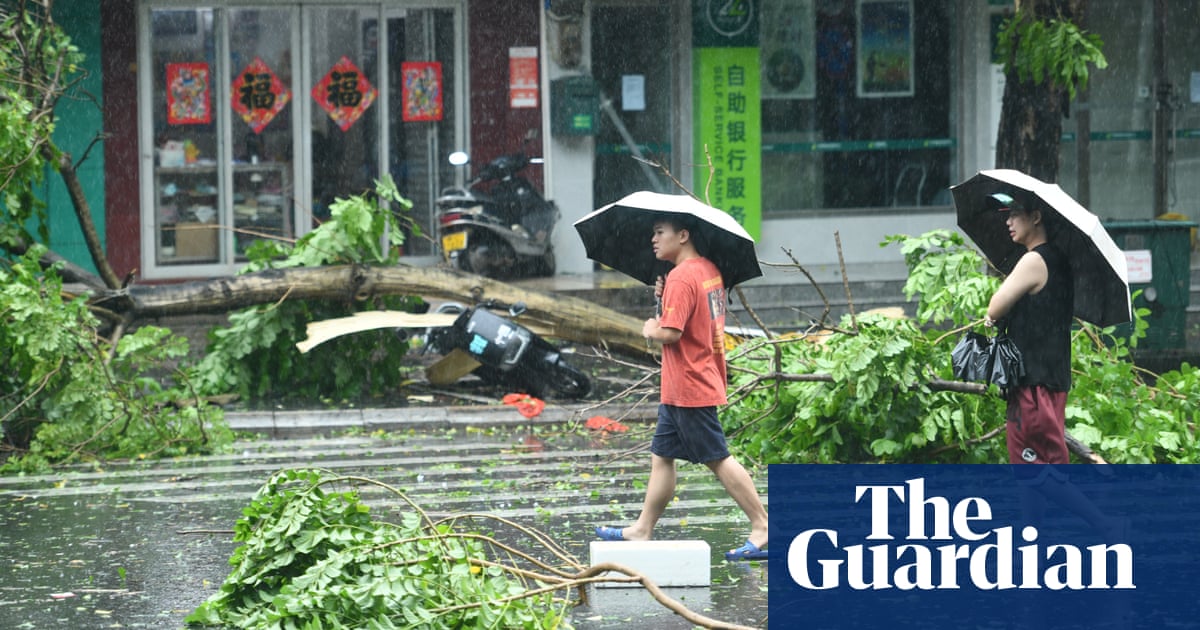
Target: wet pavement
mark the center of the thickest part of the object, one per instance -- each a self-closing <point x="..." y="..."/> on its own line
<point x="140" y="545"/>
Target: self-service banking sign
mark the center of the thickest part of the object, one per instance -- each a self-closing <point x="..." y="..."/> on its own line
<point x="898" y="546"/>
<point x="727" y="106"/>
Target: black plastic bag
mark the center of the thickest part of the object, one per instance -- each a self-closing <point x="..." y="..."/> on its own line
<point x="972" y="357"/>
<point x="982" y="359"/>
<point x="1007" y="364"/>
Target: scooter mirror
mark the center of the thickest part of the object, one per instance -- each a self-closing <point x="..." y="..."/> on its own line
<point x="459" y="158"/>
<point x="517" y="309"/>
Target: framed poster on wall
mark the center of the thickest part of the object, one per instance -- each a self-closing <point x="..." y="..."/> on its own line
<point x="188" y="94"/>
<point x="522" y="77"/>
<point x="789" y="51"/>
<point x="421" y="90"/>
<point x="885" y="48"/>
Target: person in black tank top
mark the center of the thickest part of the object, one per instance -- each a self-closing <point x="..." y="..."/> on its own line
<point x="1036" y="302"/>
<point x="1040" y="324"/>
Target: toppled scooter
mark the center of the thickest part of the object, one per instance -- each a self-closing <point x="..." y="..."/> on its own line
<point x="502" y="352"/>
<point x="493" y="347"/>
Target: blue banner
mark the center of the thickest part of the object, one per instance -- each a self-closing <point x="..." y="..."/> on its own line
<point x="898" y="546"/>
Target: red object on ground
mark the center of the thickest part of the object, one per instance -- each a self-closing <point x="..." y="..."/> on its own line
<point x="527" y="405"/>
<point x="600" y="423"/>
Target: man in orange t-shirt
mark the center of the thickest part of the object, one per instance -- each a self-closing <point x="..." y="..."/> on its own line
<point x="692" y="331"/>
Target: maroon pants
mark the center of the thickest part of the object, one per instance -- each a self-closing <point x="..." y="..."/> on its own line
<point x="1037" y="426"/>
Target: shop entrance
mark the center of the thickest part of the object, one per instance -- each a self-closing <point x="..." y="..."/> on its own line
<point x="411" y="56"/>
<point x="422" y="131"/>
<point x="261" y="117"/>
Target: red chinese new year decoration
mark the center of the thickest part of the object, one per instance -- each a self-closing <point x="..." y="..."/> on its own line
<point x="527" y="405"/>
<point x="258" y="95"/>
<point x="421" y="90"/>
<point x="188" y="94"/>
<point x="344" y="93"/>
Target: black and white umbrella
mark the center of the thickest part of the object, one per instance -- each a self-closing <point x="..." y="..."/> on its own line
<point x="1097" y="264"/>
<point x="618" y="235"/>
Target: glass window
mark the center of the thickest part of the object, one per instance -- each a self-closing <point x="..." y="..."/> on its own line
<point x="631" y="63"/>
<point x="261" y="116"/>
<point x="212" y="198"/>
<point x="856" y="108"/>
<point x="421" y="128"/>
<point x="1119" y="112"/>
<point x="261" y="131"/>
<point x="343" y="123"/>
<point x="186" y="193"/>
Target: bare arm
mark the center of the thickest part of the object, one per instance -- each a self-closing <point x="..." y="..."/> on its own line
<point x="651" y="330"/>
<point x="1028" y="276"/>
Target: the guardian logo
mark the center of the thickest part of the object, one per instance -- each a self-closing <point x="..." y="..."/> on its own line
<point x="958" y="546"/>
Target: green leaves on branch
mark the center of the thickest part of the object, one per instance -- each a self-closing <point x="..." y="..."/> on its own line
<point x="38" y="64"/>
<point x="256" y="357"/>
<point x="944" y="272"/>
<point x="354" y="234"/>
<point x="874" y="403"/>
<point x="66" y="394"/>
<point x="314" y="557"/>
<point x="867" y="395"/>
<point x="1057" y="51"/>
<point x="1126" y="415"/>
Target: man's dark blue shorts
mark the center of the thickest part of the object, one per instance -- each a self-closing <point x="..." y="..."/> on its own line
<point x="693" y="434"/>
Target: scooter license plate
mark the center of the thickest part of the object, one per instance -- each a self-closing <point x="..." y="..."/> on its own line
<point x="454" y="241"/>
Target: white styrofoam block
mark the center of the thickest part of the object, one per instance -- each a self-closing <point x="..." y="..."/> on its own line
<point x="665" y="562"/>
<point x="635" y="603"/>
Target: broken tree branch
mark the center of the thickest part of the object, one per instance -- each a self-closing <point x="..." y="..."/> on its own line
<point x="562" y="317"/>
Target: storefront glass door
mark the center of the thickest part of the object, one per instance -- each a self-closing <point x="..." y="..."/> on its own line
<point x="422" y="122"/>
<point x="261" y="131"/>
<point x="257" y="118"/>
<point x="185" y="178"/>
<point x="343" y="113"/>
<point x="632" y="64"/>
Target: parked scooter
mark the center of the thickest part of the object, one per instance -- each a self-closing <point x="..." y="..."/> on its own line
<point x="503" y="232"/>
<point x="504" y="352"/>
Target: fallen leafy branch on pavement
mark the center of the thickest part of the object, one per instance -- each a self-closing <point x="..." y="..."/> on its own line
<point x="313" y="555"/>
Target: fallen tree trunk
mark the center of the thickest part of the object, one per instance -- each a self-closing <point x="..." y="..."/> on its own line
<point x="557" y="316"/>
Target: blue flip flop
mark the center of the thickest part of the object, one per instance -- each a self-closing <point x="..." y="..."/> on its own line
<point x="604" y="532"/>
<point x="747" y="551"/>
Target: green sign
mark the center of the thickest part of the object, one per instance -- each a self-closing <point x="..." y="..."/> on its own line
<point x="728" y="108"/>
<point x="724" y="23"/>
<point x="583" y="123"/>
<point x="728" y="136"/>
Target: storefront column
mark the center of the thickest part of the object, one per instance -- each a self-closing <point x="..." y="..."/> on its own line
<point x="570" y="159"/>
